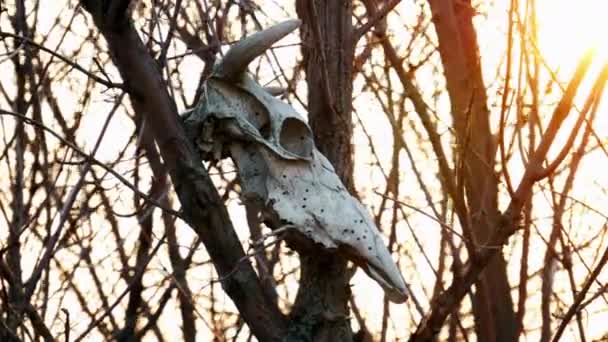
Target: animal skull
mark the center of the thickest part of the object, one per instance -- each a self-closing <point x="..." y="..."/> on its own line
<point x="281" y="172"/>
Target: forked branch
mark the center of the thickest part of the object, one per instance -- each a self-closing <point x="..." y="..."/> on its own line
<point x="508" y="224"/>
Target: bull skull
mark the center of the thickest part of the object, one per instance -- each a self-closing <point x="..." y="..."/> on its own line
<point x="281" y="172"/>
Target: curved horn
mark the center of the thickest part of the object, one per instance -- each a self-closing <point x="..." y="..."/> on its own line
<point x="242" y="53"/>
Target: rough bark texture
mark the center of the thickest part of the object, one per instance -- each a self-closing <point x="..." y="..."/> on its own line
<point x="321" y="311"/>
<point x="492" y="303"/>
<point x="12" y="307"/>
<point x="201" y="204"/>
<point x="327" y="48"/>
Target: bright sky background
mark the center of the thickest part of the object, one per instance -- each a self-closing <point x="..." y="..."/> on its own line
<point x="566" y="29"/>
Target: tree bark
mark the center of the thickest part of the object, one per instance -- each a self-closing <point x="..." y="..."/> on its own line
<point x="492" y="304"/>
<point x="14" y="304"/>
<point x="327" y="49"/>
<point x="201" y="205"/>
<point x="321" y="309"/>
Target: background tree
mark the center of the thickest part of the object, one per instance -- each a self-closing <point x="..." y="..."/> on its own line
<point x="479" y="162"/>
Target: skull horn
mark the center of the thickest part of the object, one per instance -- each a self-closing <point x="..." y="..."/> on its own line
<point x="243" y="52"/>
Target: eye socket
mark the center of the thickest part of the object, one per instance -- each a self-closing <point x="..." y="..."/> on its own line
<point x="296" y="137"/>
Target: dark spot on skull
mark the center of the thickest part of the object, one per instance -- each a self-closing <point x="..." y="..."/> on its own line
<point x="358" y="239"/>
<point x="304" y="206"/>
<point x="322" y="210"/>
<point x="285" y="193"/>
<point x="360" y="221"/>
<point x="365" y="236"/>
<point x="306" y="190"/>
<point x="265" y="131"/>
<point x="304" y="199"/>
<point x="284" y="176"/>
<point x="345" y="231"/>
<point x="369" y="248"/>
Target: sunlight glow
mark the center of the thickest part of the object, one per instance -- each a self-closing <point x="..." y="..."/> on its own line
<point x="567" y="28"/>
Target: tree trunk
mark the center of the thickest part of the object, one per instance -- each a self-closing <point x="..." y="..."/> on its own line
<point x="327" y="49"/>
<point x="321" y="311"/>
<point x="15" y="303"/>
<point x="476" y="147"/>
<point x="202" y="207"/>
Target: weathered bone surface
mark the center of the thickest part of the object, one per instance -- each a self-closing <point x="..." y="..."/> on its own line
<point x="281" y="172"/>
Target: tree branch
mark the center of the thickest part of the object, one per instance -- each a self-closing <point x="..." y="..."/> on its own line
<point x="202" y="206"/>
<point x="507" y="224"/>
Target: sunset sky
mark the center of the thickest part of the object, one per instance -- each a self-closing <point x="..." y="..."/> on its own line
<point x="566" y="30"/>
